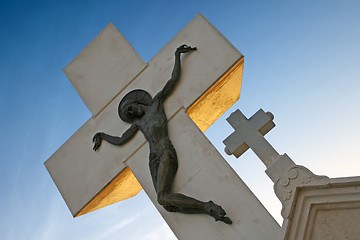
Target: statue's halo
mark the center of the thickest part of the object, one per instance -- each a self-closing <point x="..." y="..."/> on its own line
<point x="135" y="96"/>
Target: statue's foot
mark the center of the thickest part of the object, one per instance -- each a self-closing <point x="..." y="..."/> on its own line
<point x="225" y="220"/>
<point x="218" y="213"/>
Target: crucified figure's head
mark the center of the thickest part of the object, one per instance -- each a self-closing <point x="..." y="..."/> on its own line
<point x="132" y="106"/>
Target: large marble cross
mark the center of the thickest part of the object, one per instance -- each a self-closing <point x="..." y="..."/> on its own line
<point x="103" y="73"/>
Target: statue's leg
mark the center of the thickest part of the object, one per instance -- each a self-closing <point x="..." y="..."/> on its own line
<point x="177" y="202"/>
<point x="154" y="166"/>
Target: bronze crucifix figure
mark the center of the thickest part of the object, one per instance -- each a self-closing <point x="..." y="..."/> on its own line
<point x="147" y="115"/>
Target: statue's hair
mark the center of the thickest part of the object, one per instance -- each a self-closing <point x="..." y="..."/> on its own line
<point x="135" y="96"/>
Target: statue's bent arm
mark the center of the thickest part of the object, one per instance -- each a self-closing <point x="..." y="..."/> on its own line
<point x="176" y="73"/>
<point x="127" y="136"/>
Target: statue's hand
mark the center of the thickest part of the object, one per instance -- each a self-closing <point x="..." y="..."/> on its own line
<point x="185" y="48"/>
<point x="97" y="141"/>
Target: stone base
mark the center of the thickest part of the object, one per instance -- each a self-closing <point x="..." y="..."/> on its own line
<point x="330" y="211"/>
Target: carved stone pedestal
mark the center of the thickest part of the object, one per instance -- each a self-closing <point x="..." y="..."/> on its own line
<point x="313" y="207"/>
<point x="329" y="211"/>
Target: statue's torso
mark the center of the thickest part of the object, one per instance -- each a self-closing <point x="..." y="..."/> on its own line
<point x="153" y="124"/>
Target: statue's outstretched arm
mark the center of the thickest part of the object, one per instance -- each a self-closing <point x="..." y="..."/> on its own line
<point x="128" y="134"/>
<point x="175" y="76"/>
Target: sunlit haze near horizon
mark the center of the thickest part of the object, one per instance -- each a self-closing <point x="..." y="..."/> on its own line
<point x="301" y="63"/>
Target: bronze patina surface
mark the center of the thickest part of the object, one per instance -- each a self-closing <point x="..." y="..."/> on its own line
<point x="147" y="115"/>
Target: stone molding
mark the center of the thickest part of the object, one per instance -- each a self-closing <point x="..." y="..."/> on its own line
<point x="328" y="211"/>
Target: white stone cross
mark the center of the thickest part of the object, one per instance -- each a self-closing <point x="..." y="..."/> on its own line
<point x="314" y="207"/>
<point x="286" y="175"/>
<point x="106" y="70"/>
<point x="249" y="133"/>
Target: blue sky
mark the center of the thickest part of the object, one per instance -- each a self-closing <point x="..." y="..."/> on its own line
<point x="301" y="63"/>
